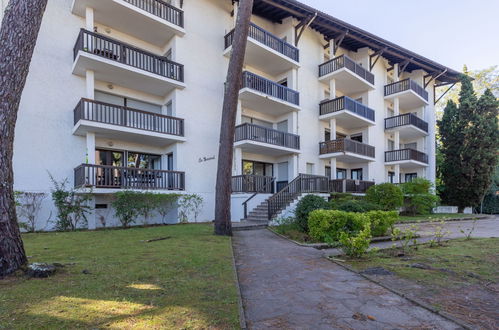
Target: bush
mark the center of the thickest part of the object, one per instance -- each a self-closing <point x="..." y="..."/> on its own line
<point x="356" y="246"/>
<point x="417" y="186"/>
<point x="387" y="195"/>
<point x="127" y="206"/>
<point x="189" y="205"/>
<point x="306" y="205"/>
<point x="327" y="225"/>
<point x="165" y="204"/>
<point x="421" y="203"/>
<point x="358" y="206"/>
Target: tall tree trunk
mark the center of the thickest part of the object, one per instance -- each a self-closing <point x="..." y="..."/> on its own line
<point x="18" y="34"/>
<point x="223" y="224"/>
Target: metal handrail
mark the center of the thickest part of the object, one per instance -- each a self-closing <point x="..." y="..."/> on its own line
<point x="245" y="203"/>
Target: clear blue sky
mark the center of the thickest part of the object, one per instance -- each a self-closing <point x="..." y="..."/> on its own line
<point x="450" y="32"/>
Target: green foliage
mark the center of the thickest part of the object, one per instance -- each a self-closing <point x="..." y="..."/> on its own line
<point x="419" y="198"/>
<point x="165" y="204"/>
<point x="127" y="206"/>
<point x="408" y="236"/>
<point x="306" y="205"/>
<point x="469" y="136"/>
<point x="327" y="225"/>
<point x="28" y="205"/>
<point x="189" y="205"/>
<point x="356" y="246"/>
<point x="417" y="186"/>
<point x="354" y="205"/>
<point x="72" y="206"/>
<point x="491" y="200"/>
<point x="148" y="203"/>
<point x="387" y="195"/>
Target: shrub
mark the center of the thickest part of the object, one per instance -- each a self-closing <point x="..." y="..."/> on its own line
<point x="72" y="206"/>
<point x="148" y="204"/>
<point x="356" y="246"/>
<point x="29" y="204"/>
<point x="381" y="221"/>
<point x="353" y="205"/>
<point x="166" y="203"/>
<point x="127" y="206"/>
<point x="387" y="195"/>
<point x="306" y="205"/>
<point x="417" y="186"/>
<point x="421" y="203"/>
<point x="189" y="205"/>
<point x="327" y="225"/>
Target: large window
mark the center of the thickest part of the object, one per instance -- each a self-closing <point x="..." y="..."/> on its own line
<point x="257" y="168"/>
<point x="410" y="176"/>
<point x="391" y="177"/>
<point x="356" y="174"/>
<point x="146" y="161"/>
<point x="133" y="159"/>
<point x="341" y="173"/>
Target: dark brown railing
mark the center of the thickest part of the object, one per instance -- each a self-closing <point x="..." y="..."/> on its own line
<point x="344" y="61"/>
<point x="269" y="40"/>
<point x="107" y="113"/>
<point x="406" y="119"/>
<point x="406" y="154"/>
<point x="346" y="103"/>
<point x="266" y="86"/>
<point x="346" y="145"/>
<point x="302" y="184"/>
<point x="405" y="85"/>
<point x="266" y="135"/>
<point x="252" y="184"/>
<point x="102" y="176"/>
<point x="161" y="9"/>
<point x="349" y="186"/>
<point x="118" y="51"/>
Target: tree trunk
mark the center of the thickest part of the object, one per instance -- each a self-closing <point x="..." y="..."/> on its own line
<point x="18" y="34"/>
<point x="223" y="224"/>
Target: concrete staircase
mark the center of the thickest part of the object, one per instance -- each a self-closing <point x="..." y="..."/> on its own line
<point x="259" y="213"/>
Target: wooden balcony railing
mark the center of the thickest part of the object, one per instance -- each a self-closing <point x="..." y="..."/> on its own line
<point x="266" y="135"/>
<point x="113" y="177"/>
<point x="346" y="145"/>
<point x="406" y="154"/>
<point x="302" y="184"/>
<point x="111" y="49"/>
<point x="160" y="9"/>
<point x="405" y="85"/>
<point x="252" y="184"/>
<point x="268" y="87"/>
<point x="406" y="119"/>
<point x="127" y="117"/>
<point x="269" y="40"/>
<point x="346" y="103"/>
<point x="344" y="61"/>
<point x="349" y="186"/>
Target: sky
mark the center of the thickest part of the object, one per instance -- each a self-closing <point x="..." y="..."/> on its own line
<point x="450" y="32"/>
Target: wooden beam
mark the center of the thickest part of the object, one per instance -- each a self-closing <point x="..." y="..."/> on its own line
<point x="434" y="76"/>
<point x="303" y="26"/>
<point x="404" y="66"/>
<point x="377" y="54"/>
<point x="435" y="100"/>
<point x="338" y="41"/>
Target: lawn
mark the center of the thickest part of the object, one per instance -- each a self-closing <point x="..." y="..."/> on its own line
<point x="460" y="277"/>
<point x="435" y="217"/>
<point x="113" y="279"/>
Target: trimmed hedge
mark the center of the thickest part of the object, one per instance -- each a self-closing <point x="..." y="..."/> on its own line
<point x="306" y="205"/>
<point x="327" y="225"/>
<point x="387" y="195"/>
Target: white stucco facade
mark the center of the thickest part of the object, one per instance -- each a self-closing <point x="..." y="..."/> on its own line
<point x="50" y="139"/>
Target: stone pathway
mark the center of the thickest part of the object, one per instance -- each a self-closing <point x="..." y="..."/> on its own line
<point x="285" y="286"/>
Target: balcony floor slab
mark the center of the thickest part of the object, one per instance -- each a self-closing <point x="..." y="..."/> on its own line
<point x="261" y="102"/>
<point x="408" y="132"/>
<point x="347" y="157"/>
<point x="408" y="100"/>
<point x="256" y="147"/>
<point x="347" y="81"/>
<point x="347" y="119"/>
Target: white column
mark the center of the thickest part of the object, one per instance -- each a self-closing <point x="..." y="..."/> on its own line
<point x="333" y="168"/>
<point x="92" y="216"/>
<point x="294" y="123"/>
<point x="293" y="81"/>
<point x="236" y="10"/>
<point x="294" y="167"/>
<point x="239" y="113"/>
<point x="89" y="19"/>
<point x="332" y="128"/>
<point x="90" y="148"/>
<point x="90" y="81"/>
<point x="397" y="174"/>
<point x="237" y="168"/>
<point x="396" y="72"/>
<point x="332" y="89"/>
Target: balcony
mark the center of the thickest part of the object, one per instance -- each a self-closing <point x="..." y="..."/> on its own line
<point x="262" y="140"/>
<point x="350" y="77"/>
<point x="153" y="21"/>
<point x="347" y="150"/>
<point x="409" y="125"/>
<point x="118" y="63"/>
<point x="252" y="184"/>
<point x="349" y="113"/>
<point x="349" y="186"/>
<point x="264" y="95"/>
<point x="411" y="95"/>
<point x="406" y="158"/>
<point x="266" y="51"/>
<point x="113" y="177"/>
<point x="127" y="124"/>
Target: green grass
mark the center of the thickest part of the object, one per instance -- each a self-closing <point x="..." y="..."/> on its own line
<point x="451" y="265"/>
<point x="433" y="217"/>
<point x="185" y="282"/>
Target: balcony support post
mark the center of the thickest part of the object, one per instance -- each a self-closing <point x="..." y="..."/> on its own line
<point x="397" y="174"/>
<point x="237" y="168"/>
<point x="332" y="89"/>
<point x="90" y="148"/>
<point x="89" y="18"/>
<point x="294" y="166"/>
<point x="332" y="128"/>
<point x="92" y="215"/>
<point x="333" y="168"/>
<point x="90" y="84"/>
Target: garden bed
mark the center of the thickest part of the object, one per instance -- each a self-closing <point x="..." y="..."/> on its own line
<point x="459" y="278"/>
<point x="117" y="279"/>
<point x="440" y="217"/>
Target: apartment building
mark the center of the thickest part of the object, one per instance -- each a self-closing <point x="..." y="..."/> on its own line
<point x="127" y="94"/>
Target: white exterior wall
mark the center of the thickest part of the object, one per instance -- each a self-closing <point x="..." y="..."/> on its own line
<point x="44" y="141"/>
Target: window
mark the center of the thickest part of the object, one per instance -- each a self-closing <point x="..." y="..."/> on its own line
<point x="169" y="108"/>
<point x="356" y="174"/>
<point x="327" y="171"/>
<point x="250" y="120"/>
<point x="310" y="168"/>
<point x="413" y="145"/>
<point x="341" y="173"/>
<point x="126" y="102"/>
<point x="391" y="177"/>
<point x="145" y="161"/>
<point x="327" y="135"/>
<point x="257" y="168"/>
<point x="283" y="82"/>
<point x="391" y="145"/>
<point x="109" y="158"/>
<point x="410" y="176"/>
<point x="356" y="137"/>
